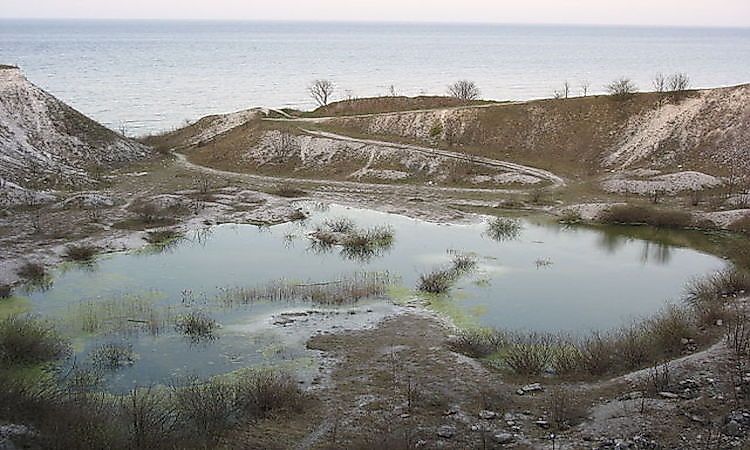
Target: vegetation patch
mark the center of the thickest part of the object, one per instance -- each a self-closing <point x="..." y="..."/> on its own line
<point x="80" y="253"/>
<point x="126" y="314"/>
<point x="6" y="291"/>
<point x="503" y="229"/>
<point x="163" y="238"/>
<point x="440" y="281"/>
<point x="32" y="271"/>
<point x="356" y="243"/>
<point x="288" y="192"/>
<point x="25" y="340"/>
<point x="643" y="215"/>
<point x="197" y="325"/>
<point x="113" y="356"/>
<point x="346" y="290"/>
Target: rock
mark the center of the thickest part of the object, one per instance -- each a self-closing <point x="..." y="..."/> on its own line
<point x="520" y="392"/>
<point x="487" y="415"/>
<point x="446" y="431"/>
<point x="542" y="424"/>
<point x="733" y="429"/>
<point x="503" y="438"/>
<point x="534" y="387"/>
<point x="668" y="395"/>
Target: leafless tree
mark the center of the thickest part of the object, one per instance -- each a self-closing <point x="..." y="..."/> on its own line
<point x="622" y="87"/>
<point x="585" y="86"/>
<point x="564" y="92"/>
<point x="321" y="91"/>
<point x="679" y="82"/>
<point x="464" y="90"/>
<point x="660" y="82"/>
<point x="392" y="91"/>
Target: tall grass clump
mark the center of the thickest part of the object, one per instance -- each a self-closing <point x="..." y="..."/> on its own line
<point x="440" y="281"/>
<point x="112" y="356"/>
<point x="477" y="343"/>
<point x="643" y="215"/>
<point x="25" y="340"/>
<point x="529" y="354"/>
<point x="709" y="295"/>
<point x="503" y="229"/>
<point x="345" y="290"/>
<point x="163" y="238"/>
<point x="356" y="243"/>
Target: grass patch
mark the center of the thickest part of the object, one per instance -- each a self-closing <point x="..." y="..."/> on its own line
<point x="644" y="215"/>
<point x="127" y="314"/>
<point x="80" y="253"/>
<point x="26" y="341"/>
<point x="710" y="295"/>
<point x="346" y="290"/>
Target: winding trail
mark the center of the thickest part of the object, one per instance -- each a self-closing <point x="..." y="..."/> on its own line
<point x="488" y="162"/>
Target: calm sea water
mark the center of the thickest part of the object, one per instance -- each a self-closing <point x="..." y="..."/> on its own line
<point x="152" y="76"/>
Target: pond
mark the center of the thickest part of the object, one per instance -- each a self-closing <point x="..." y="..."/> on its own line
<point x="548" y="277"/>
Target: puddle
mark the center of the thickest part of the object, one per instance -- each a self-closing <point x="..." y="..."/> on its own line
<point x="548" y="277"/>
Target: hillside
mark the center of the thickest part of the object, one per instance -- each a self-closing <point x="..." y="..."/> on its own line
<point x="707" y="130"/>
<point x="45" y="142"/>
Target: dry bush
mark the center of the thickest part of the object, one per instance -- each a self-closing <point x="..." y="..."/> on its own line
<point x="477" y="343"/>
<point x="597" y="354"/>
<point x="162" y="237"/>
<point x="670" y="327"/>
<point x="503" y="229"/>
<point x="567" y="360"/>
<point x="288" y="192"/>
<point x="80" y="253"/>
<point x="435" y="282"/>
<point x="32" y="271"/>
<point x="25" y="340"/>
<point x="529" y="354"/>
<point x="196" y="325"/>
<point x="564" y="408"/>
<point x="741" y="225"/>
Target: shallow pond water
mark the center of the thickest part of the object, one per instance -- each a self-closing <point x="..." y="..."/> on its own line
<point x="547" y="278"/>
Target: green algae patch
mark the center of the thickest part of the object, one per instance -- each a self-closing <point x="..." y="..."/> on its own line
<point x="13" y="306"/>
<point x="451" y="308"/>
<point x="400" y="295"/>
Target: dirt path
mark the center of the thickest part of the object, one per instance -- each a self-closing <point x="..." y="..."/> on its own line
<point x="404" y="190"/>
<point x="519" y="168"/>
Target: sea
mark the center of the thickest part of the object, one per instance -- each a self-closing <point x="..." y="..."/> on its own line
<point x="152" y="76"/>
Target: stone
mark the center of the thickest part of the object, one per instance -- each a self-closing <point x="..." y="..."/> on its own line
<point x="668" y="395"/>
<point x="487" y="415"/>
<point x="446" y="431"/>
<point x="503" y="438"/>
<point x="520" y="392"/>
<point x="733" y="429"/>
<point x="534" y="387"/>
<point x="542" y="424"/>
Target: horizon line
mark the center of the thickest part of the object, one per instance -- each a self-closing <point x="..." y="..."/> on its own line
<point x="374" y="22"/>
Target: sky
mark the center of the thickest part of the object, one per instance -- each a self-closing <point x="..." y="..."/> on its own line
<point x="721" y="13"/>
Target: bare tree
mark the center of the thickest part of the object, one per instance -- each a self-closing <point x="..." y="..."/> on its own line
<point x="660" y="82"/>
<point x="679" y="82"/>
<point x="392" y="91"/>
<point x="622" y="87"/>
<point x="585" y="86"/>
<point x="566" y="88"/>
<point x="464" y="90"/>
<point x="321" y="91"/>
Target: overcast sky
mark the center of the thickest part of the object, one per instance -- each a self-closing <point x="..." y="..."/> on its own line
<point x="604" y="12"/>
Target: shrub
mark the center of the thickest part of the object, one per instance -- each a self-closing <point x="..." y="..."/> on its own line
<point x="641" y="215"/>
<point x="564" y="408"/>
<point x="196" y="325"/>
<point x="570" y="217"/>
<point x="205" y="408"/>
<point x="24" y="340"/>
<point x="462" y="263"/>
<point x="6" y="291"/>
<point x="436" y="282"/>
<point x="464" y="90"/>
<point x="529" y="355"/>
<point x="80" y="253"/>
<point x="670" y="327"/>
<point x="597" y="354"/>
<point x="566" y="360"/>
<point x="340" y="225"/>
<point x="32" y="271"/>
<point x="262" y="392"/>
